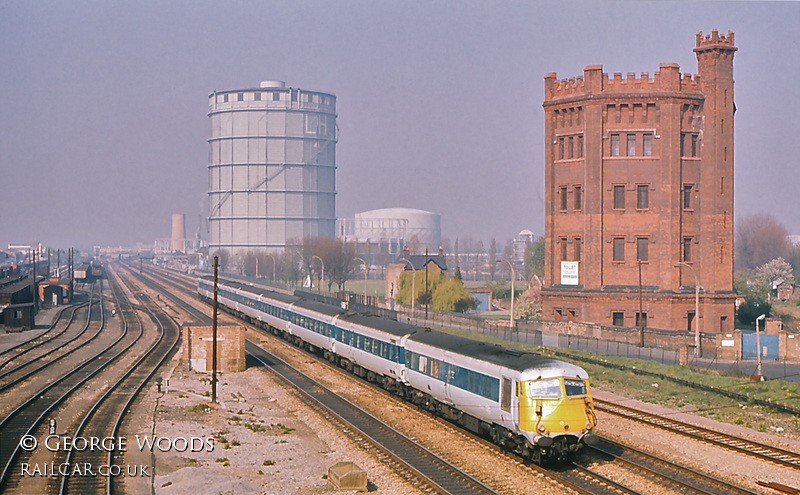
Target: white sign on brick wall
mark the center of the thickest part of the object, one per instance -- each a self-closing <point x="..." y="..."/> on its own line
<point x="569" y="273"/>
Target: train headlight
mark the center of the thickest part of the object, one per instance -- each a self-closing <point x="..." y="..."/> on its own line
<point x="541" y="428"/>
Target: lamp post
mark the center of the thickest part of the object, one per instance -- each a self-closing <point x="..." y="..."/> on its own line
<point x="273" y="266"/>
<point x="365" y="277"/>
<point x="758" y="344"/>
<point x="322" y="277"/>
<point x="696" y="308"/>
<point x="413" y="277"/>
<point x="513" y="276"/>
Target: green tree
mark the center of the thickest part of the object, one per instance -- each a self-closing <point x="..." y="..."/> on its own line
<point x="404" y="284"/>
<point x="534" y="259"/>
<point x="450" y="295"/>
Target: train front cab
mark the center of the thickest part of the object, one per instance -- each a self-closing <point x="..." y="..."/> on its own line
<point x="558" y="414"/>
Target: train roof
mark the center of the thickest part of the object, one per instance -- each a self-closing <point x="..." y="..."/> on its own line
<point x="259" y="291"/>
<point x="532" y="365"/>
<point x="319" y="307"/>
<point x="380" y="323"/>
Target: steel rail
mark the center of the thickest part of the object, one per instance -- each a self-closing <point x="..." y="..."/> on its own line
<point x="48" y="363"/>
<point x="23" y="420"/>
<point x="129" y="385"/>
<point x="738" y="444"/>
<point x="32" y="340"/>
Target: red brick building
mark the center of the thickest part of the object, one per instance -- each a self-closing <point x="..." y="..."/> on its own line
<point x="639" y="173"/>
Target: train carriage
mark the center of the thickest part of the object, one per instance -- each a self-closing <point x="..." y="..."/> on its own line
<point x="375" y="344"/>
<point x="314" y="323"/>
<point x="533" y="404"/>
<point x="259" y="304"/>
<point x="537" y="406"/>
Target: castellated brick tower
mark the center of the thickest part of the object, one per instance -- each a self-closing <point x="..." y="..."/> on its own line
<point x="639" y="175"/>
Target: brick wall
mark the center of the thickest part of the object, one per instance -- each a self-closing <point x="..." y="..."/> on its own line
<point x="197" y="347"/>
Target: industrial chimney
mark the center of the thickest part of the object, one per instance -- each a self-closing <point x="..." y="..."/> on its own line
<point x="178" y="231"/>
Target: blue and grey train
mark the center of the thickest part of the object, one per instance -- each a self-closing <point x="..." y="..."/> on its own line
<point x="536" y="406"/>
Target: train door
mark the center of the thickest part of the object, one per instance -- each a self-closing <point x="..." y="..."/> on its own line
<point x="506" y="387"/>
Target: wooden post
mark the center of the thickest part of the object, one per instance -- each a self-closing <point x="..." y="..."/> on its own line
<point x="214" y="336"/>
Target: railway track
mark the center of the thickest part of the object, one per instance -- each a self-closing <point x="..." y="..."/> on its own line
<point x="577" y="478"/>
<point x="19" y="350"/>
<point x="416" y="464"/>
<point x="669" y="474"/>
<point x="25" y="422"/>
<point x="104" y="419"/>
<point x="60" y="350"/>
<point x="749" y="447"/>
<point x="653" y="470"/>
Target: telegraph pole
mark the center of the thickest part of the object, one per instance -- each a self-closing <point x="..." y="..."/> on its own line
<point x="35" y="292"/>
<point x="214" y="336"/>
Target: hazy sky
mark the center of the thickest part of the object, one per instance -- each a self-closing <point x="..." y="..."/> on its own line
<point x="103" y="124"/>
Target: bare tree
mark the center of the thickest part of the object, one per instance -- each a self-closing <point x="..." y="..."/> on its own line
<point x="759" y="239"/>
<point x="341" y="260"/>
<point x="492" y="257"/>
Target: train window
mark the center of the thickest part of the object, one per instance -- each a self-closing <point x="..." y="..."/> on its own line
<point x="545" y="388"/>
<point x="376" y="347"/>
<point x="575" y="387"/>
<point x="423" y="364"/>
<point x="434" y="368"/>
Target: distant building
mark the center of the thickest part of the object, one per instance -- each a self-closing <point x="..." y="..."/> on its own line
<point x="389" y="230"/>
<point x="522" y="240"/>
<point x="272" y="167"/>
<point x="639" y="173"/>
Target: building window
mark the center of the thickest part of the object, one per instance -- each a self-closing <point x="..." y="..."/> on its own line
<point x="580" y="147"/>
<point x="641" y="318"/>
<point x="570" y="147"/>
<point x="619" y="197"/>
<point x="687" y="196"/>
<point x="687" y="249"/>
<point x="642" y="244"/>
<point x="578" y="197"/>
<point x="631" y="144"/>
<point x="240" y="97"/>
<point x="647" y="145"/>
<point x="560" y="148"/>
<point x="563" y="198"/>
<point x="619" y="248"/>
<point x="276" y="96"/>
<point x="225" y="98"/>
<point x="257" y="96"/>
<point x="689" y="145"/>
<point x="577" y="243"/>
<point x="618" y="318"/>
<point x="294" y="95"/>
<point x="642" y="196"/>
<point x="564" y="249"/>
<point x="615" y="145"/>
<point x="310" y="98"/>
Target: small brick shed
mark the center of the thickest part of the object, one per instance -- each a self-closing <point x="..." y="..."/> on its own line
<point x="197" y="347"/>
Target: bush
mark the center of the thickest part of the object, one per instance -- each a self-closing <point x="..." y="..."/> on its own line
<point x="752" y="309"/>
